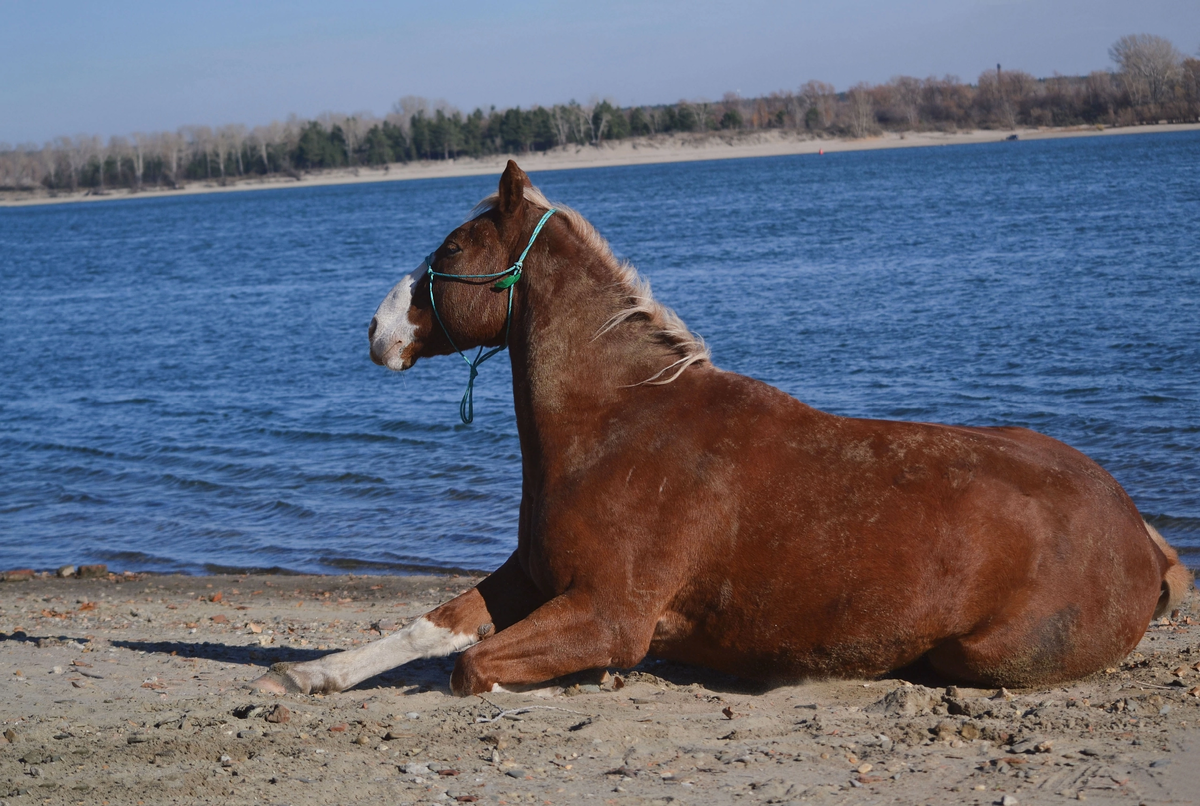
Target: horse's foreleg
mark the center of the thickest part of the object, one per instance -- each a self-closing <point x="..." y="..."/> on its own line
<point x="503" y="598"/>
<point x="567" y="634"/>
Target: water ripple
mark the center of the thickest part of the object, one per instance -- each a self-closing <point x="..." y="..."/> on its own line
<point x="224" y="416"/>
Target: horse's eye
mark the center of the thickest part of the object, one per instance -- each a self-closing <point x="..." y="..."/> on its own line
<point x="452" y="248"/>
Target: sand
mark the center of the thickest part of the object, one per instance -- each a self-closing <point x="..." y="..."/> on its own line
<point x="129" y="690"/>
<point x="633" y="151"/>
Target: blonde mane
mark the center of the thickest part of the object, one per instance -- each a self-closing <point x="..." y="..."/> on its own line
<point x="669" y="329"/>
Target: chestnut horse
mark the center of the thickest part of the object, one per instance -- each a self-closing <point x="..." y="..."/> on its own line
<point x="672" y="508"/>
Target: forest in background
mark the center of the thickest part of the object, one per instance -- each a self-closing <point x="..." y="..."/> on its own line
<point x="1152" y="82"/>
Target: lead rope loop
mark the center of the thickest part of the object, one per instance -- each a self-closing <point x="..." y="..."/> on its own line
<point x="509" y="278"/>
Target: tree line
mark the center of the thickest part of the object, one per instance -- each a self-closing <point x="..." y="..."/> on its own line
<point x="1152" y="82"/>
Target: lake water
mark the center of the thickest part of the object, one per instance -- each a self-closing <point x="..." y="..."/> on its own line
<point x="185" y="384"/>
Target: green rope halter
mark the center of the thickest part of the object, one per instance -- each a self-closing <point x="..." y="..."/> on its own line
<point x="508" y="279"/>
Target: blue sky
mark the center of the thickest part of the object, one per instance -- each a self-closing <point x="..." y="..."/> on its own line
<point x="122" y="66"/>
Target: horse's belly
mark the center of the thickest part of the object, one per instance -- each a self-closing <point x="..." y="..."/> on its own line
<point x="1034" y="615"/>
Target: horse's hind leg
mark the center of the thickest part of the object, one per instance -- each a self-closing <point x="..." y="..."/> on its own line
<point x="503" y="598"/>
<point x="1038" y="648"/>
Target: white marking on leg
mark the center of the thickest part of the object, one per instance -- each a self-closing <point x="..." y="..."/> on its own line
<point x="420" y="639"/>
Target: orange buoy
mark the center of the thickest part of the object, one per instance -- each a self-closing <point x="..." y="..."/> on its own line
<point x="821" y="151"/>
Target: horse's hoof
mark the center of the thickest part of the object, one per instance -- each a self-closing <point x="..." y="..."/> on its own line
<point x="276" y="681"/>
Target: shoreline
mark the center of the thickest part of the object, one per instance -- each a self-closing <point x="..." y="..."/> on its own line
<point x="129" y="690"/>
<point x="652" y="150"/>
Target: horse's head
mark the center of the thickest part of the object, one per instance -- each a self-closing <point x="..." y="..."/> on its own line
<point x="457" y="305"/>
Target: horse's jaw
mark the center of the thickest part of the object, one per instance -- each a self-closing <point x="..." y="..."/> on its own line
<point x="392" y="331"/>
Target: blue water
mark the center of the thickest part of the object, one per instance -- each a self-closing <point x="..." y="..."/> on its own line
<point x="185" y="384"/>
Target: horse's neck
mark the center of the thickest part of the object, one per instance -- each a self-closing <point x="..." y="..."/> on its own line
<point x="564" y="374"/>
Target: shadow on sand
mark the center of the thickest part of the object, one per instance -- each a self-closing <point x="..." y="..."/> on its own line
<point x="433" y="674"/>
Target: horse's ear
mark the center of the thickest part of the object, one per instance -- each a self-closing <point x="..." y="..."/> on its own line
<point x="512" y="189"/>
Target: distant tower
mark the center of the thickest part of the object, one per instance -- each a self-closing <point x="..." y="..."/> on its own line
<point x="997" y="73"/>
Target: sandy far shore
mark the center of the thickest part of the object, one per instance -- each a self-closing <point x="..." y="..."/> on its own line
<point x="129" y="690"/>
<point x="634" y="151"/>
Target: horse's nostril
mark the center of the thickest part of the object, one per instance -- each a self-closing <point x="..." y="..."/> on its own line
<point x="371" y="328"/>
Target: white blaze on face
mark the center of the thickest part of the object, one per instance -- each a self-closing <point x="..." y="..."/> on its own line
<point x="394" y="331"/>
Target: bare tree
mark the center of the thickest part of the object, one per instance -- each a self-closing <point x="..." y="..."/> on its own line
<point x="791" y="106"/>
<point x="171" y="147"/>
<point x="50" y="157"/>
<point x="653" y="117"/>
<point x="138" y="156"/>
<point x="221" y="146"/>
<point x="1189" y="85"/>
<point x="261" y="139"/>
<point x="1149" y="65"/>
<point x="560" y="119"/>
<point x="906" y="94"/>
<point x="20" y="166"/>
<point x="397" y="119"/>
<point x="862" y="110"/>
<point x="795" y="106"/>
<point x="288" y="134"/>
<point x="281" y="136"/>
<point x="203" y="143"/>
<point x="354" y="129"/>
<point x="581" y="121"/>
<point x="76" y="153"/>
<point x="408" y="106"/>
<point x="10" y="166"/>
<point x="330" y="119"/>
<point x="119" y="149"/>
<point x="1002" y="95"/>
<point x="196" y="145"/>
<point x="945" y="101"/>
<point x="32" y="170"/>
<point x="600" y="118"/>
<point x="99" y="150"/>
<point x="820" y="96"/>
<point x="141" y="143"/>
<point x="233" y="142"/>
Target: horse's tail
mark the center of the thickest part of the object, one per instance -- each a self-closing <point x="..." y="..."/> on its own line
<point x="1176" y="579"/>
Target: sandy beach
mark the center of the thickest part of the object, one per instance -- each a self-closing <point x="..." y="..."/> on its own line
<point x="128" y="689"/>
<point x="633" y="151"/>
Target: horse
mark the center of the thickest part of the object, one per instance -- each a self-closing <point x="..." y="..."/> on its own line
<point x="674" y="509"/>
